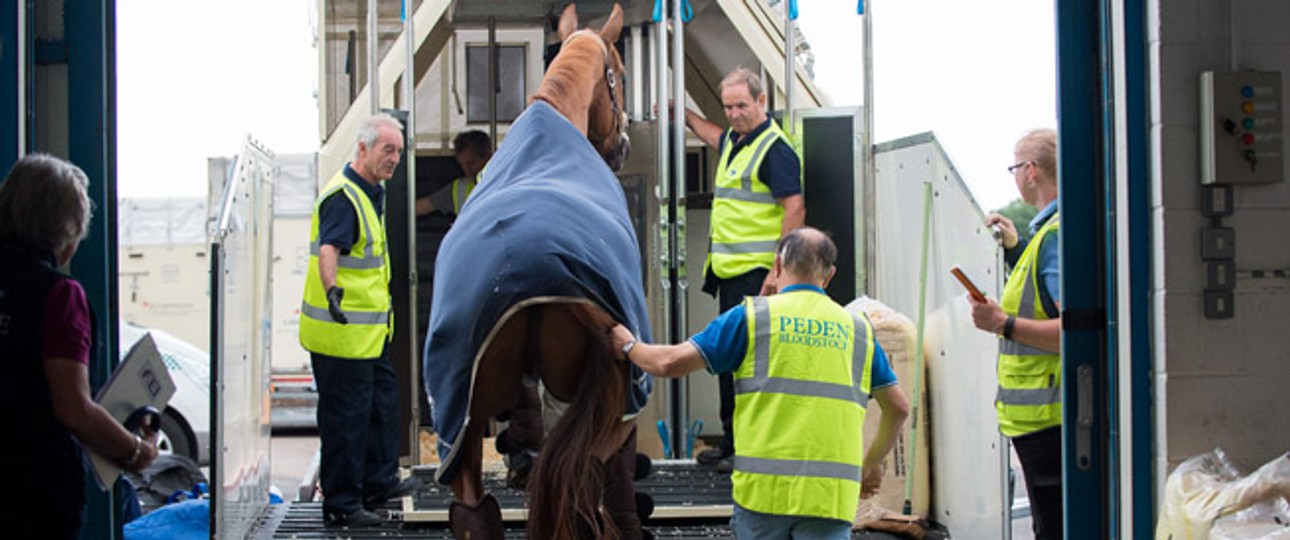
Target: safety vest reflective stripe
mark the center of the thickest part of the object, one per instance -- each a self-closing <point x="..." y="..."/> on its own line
<point x="746" y="177"/>
<point x="744" y="247"/>
<point x="790" y="467"/>
<point x="762" y="382"/>
<point x="348" y="261"/>
<point x="1015" y="348"/>
<point x="745" y="195"/>
<point x="354" y="317"/>
<point x="1029" y="396"/>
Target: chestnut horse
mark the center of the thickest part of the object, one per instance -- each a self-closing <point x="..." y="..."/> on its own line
<point x="541" y="262"/>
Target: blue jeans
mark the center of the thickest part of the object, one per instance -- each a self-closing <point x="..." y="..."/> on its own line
<point x="750" y="525"/>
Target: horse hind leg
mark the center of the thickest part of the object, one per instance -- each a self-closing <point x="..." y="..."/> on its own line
<point x="522" y="438"/>
<point x="624" y="506"/>
<point x="475" y="514"/>
<point x="482" y="518"/>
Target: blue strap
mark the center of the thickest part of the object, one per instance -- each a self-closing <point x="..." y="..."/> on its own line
<point x="792" y="10"/>
<point x="687" y="12"/>
<point x="663" y="434"/>
<point x="696" y="429"/>
<point x="860" y="7"/>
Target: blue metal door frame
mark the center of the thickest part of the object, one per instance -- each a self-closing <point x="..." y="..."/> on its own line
<point x="1089" y="65"/>
<point x="10" y="66"/>
<point x="1140" y="502"/>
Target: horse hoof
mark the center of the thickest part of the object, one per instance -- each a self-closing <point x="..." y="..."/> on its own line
<point x="644" y="505"/>
<point x="482" y="521"/>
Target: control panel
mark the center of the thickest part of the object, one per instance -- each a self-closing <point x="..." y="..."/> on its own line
<point x="1241" y="127"/>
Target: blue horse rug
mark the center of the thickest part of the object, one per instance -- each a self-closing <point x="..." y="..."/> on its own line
<point x="548" y="218"/>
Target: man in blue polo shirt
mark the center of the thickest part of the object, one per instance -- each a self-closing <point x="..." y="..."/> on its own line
<point x="803" y="370"/>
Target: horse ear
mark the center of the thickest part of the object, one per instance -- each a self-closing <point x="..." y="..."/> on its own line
<point x="568" y="21"/>
<point x="613" y="26"/>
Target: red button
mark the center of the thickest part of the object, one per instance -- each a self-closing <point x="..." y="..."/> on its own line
<point x="1248" y="138"/>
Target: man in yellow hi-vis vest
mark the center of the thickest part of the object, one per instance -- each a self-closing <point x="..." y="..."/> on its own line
<point x="1028" y="321"/>
<point x="472" y="149"/>
<point x="758" y="199"/>
<point x="804" y="370"/>
<point x="345" y="323"/>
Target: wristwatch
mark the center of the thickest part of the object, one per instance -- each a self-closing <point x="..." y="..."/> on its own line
<point x="627" y="349"/>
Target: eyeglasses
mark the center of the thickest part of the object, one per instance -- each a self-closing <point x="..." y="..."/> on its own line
<point x="1013" y="168"/>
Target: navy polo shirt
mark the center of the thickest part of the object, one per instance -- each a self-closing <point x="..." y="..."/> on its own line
<point x="781" y="170"/>
<point x="338" y="219"/>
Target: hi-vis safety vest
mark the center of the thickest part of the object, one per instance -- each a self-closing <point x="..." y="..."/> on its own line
<point x="461" y="190"/>
<point x="746" y="218"/>
<point x="1030" y="379"/>
<point x="800" y="399"/>
<point x="364" y="273"/>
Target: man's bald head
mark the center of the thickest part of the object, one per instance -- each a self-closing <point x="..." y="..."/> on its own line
<point x="807" y="252"/>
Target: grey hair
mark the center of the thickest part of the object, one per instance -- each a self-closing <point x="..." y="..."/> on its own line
<point x="44" y="204"/>
<point x="743" y="75"/>
<point x="370" y="128"/>
<point x="807" y="252"/>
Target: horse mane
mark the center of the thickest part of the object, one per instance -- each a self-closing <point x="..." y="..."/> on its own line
<point x="568" y="504"/>
<point x="568" y="86"/>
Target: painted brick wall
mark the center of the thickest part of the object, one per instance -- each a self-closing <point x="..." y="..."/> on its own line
<point x="1220" y="382"/>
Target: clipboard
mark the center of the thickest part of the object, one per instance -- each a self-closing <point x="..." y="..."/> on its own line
<point x="140" y="379"/>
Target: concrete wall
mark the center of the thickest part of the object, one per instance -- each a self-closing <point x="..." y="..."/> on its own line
<point x="1219" y="382"/>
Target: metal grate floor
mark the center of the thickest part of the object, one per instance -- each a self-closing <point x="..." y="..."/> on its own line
<point x="690" y="502"/>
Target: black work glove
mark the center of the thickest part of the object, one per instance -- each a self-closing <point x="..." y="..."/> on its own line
<point x="334" y="295"/>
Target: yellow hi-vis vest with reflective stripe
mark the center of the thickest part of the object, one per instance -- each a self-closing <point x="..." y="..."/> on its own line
<point x="800" y="399"/>
<point x="1030" y="379"/>
<point x="364" y="273"/>
<point x="746" y="219"/>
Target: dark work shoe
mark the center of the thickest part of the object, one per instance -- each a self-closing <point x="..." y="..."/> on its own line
<point x="358" y="518"/>
<point x="712" y="456"/>
<point x="402" y="489"/>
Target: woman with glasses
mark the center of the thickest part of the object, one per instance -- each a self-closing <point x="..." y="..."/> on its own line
<point x="1028" y="322"/>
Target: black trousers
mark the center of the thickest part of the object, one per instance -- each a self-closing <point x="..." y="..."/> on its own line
<point x="730" y="292"/>
<point x="358" y="428"/>
<point x="1041" y="464"/>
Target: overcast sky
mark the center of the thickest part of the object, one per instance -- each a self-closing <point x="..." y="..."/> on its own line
<point x="977" y="74"/>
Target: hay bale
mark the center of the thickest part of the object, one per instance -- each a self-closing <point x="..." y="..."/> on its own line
<point x="897" y="335"/>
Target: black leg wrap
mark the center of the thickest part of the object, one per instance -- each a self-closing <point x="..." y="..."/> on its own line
<point x="644" y="466"/>
<point x="522" y="440"/>
<point x="620" y="494"/>
<point x="482" y="521"/>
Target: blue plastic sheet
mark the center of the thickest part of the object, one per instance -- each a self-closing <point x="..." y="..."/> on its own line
<point x="187" y="520"/>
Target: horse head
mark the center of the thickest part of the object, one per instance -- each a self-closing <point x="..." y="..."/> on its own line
<point x="605" y="117"/>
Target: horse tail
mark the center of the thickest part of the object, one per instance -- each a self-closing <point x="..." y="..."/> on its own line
<point x="567" y="482"/>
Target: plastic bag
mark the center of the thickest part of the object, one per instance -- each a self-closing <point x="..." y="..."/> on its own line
<point x="1207" y="498"/>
